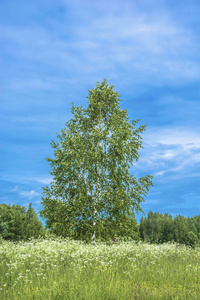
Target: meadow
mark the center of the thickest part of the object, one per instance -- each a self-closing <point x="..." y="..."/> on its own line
<point x="58" y="268"/>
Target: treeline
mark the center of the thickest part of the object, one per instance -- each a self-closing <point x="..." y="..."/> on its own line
<point x="163" y="228"/>
<point x="17" y="223"/>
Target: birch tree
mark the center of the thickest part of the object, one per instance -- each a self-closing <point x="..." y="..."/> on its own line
<point x="92" y="191"/>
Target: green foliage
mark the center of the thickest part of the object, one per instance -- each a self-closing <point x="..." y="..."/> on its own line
<point x="159" y="228"/>
<point x="156" y="228"/>
<point x="110" y="230"/>
<point x="93" y="195"/>
<point x="16" y="223"/>
<point x="33" y="228"/>
<point x="192" y="239"/>
<point x="4" y="228"/>
<point x="180" y="229"/>
<point x="12" y="221"/>
<point x="166" y="228"/>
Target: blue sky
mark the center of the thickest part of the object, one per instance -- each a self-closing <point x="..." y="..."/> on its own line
<point x="53" y="51"/>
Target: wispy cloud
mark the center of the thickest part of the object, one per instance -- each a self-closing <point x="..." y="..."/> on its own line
<point x="151" y="44"/>
<point x="172" y="152"/>
<point x="26" y="194"/>
<point x="42" y="180"/>
<point x="173" y="136"/>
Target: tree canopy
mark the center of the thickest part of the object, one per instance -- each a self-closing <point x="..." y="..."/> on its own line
<point x="159" y="228"/>
<point x="93" y="193"/>
<point x="18" y="224"/>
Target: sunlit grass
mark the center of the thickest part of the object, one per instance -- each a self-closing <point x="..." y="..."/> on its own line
<point x="64" y="269"/>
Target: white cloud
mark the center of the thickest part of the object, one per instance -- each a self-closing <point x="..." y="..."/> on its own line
<point x="172" y="153"/>
<point x="151" y="202"/>
<point x="146" y="44"/>
<point x="43" y="180"/>
<point x="27" y="194"/>
<point x="160" y="173"/>
<point x="172" y="136"/>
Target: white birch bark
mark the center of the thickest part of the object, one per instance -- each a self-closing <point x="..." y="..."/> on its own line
<point x="96" y="200"/>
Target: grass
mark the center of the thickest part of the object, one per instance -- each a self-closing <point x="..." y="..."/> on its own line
<point x="64" y="269"/>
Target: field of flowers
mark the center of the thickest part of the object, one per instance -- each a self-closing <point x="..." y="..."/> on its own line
<point x="64" y="269"/>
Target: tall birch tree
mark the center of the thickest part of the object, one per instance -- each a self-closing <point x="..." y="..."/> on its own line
<point x="93" y="192"/>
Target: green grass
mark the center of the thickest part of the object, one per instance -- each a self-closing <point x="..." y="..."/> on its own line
<point x="64" y="269"/>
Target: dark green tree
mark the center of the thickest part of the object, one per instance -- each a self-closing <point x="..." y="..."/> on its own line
<point x="192" y="225"/>
<point x="181" y="229"/>
<point x="197" y="225"/>
<point x="192" y="239"/>
<point x="18" y="224"/>
<point x="159" y="228"/>
<point x="32" y="226"/>
<point x="4" y="228"/>
<point x="92" y="186"/>
<point x="150" y="227"/>
<point x="12" y="218"/>
<point x="142" y="228"/>
<point x="167" y="228"/>
<point x="156" y="228"/>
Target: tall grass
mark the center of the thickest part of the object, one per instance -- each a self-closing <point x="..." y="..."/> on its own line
<point x="64" y="269"/>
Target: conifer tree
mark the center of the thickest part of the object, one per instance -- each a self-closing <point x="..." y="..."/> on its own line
<point x="32" y="226"/>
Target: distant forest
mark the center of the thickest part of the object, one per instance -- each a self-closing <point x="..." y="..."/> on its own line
<point x="17" y="223"/>
<point x="162" y="228"/>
